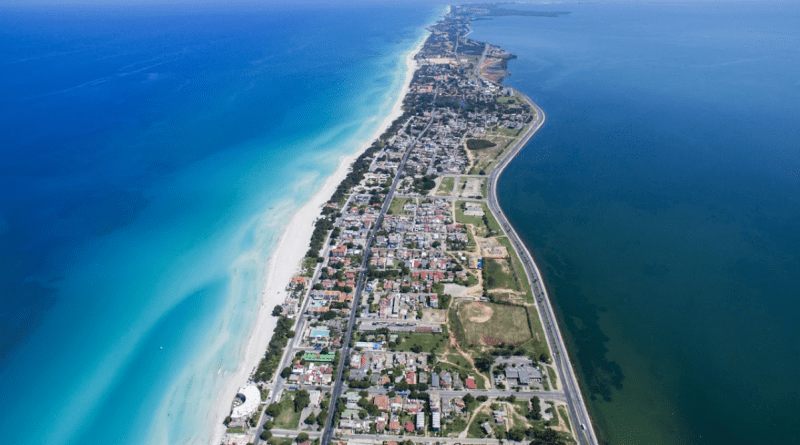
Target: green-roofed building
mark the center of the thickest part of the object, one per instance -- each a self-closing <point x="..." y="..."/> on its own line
<point x="314" y="357"/>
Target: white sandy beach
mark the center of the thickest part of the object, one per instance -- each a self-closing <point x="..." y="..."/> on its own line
<point x="285" y="262"/>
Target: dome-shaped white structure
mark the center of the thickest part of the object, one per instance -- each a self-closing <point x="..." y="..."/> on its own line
<point x="251" y="399"/>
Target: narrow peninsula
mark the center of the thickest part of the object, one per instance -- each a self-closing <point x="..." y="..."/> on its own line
<point x="418" y="315"/>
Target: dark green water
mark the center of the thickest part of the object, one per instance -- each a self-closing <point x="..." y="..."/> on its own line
<point x="661" y="202"/>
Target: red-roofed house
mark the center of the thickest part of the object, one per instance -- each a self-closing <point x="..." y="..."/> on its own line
<point x="394" y="425"/>
<point x="470" y="382"/>
<point x="409" y="426"/>
<point x="411" y="377"/>
<point x="382" y="402"/>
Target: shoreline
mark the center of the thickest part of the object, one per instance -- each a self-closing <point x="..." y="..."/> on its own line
<point x="553" y="330"/>
<point x="291" y="249"/>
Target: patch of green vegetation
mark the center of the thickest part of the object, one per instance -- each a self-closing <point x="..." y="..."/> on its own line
<point x="552" y="374"/>
<point x="508" y="99"/>
<point x="288" y="419"/>
<point x="455" y="427"/>
<point x="485" y="189"/>
<point x="421" y="342"/>
<point x="237" y="430"/>
<point x="519" y="271"/>
<point x="497" y="274"/>
<point x="458" y="360"/>
<point x="554" y="412"/>
<point x="281" y="441"/>
<point x="463" y="219"/>
<point x="396" y="207"/>
<point x="538" y="344"/>
<point x="490" y="220"/>
<point x="506" y="131"/>
<point x="522" y="408"/>
<point x="456" y="326"/>
<point x="562" y="410"/>
<point x="545" y="385"/>
<point x="475" y="430"/>
<point x="446" y="187"/>
<point x="479" y="144"/>
<point x="506" y="324"/>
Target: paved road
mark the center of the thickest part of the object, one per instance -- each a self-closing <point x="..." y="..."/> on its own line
<point x="574" y="398"/>
<point x="522" y="395"/>
<point x="395" y="438"/>
<point x="482" y="59"/>
<point x="345" y="352"/>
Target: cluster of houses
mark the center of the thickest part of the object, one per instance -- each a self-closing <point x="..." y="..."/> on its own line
<point x="417" y="247"/>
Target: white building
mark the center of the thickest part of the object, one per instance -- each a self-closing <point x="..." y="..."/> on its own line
<point x="250" y="398"/>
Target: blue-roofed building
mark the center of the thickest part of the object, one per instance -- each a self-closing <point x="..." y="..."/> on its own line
<point x="319" y="333"/>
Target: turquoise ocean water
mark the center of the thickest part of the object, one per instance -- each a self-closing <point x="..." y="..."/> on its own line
<point x="151" y="156"/>
<point x="661" y="199"/>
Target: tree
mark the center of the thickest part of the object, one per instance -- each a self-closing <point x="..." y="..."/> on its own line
<point x="482" y="398"/>
<point x="266" y="435"/>
<point x="373" y="409"/>
<point x="322" y="417"/>
<point x="286" y="372"/>
<point x="311" y="419"/>
<point x="468" y="398"/>
<point x="535" y="412"/>
<point x="516" y="434"/>
<point x="484" y="362"/>
<point x="277" y="311"/>
<point x="302" y="437"/>
<point x="274" y="410"/>
<point x="301" y="400"/>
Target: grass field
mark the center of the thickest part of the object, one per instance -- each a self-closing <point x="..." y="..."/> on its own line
<point x="505" y="131"/>
<point x="538" y="344"/>
<point x="434" y="343"/>
<point x="288" y="419"/>
<point x="498" y="274"/>
<point x="456" y="426"/>
<point x="458" y="360"/>
<point x="521" y="407"/>
<point x="475" y="431"/>
<point x="477" y="221"/>
<point x="492" y="324"/>
<point x="460" y="217"/>
<point x="396" y="207"/>
<point x="518" y="269"/>
<point x="446" y="187"/>
<point x="493" y="224"/>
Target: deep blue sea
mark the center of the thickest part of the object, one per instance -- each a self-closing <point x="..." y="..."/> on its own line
<point x="662" y="200"/>
<point x="150" y="157"/>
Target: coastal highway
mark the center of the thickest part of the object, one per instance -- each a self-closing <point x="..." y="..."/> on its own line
<point x="584" y="432"/>
<point x="338" y="386"/>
